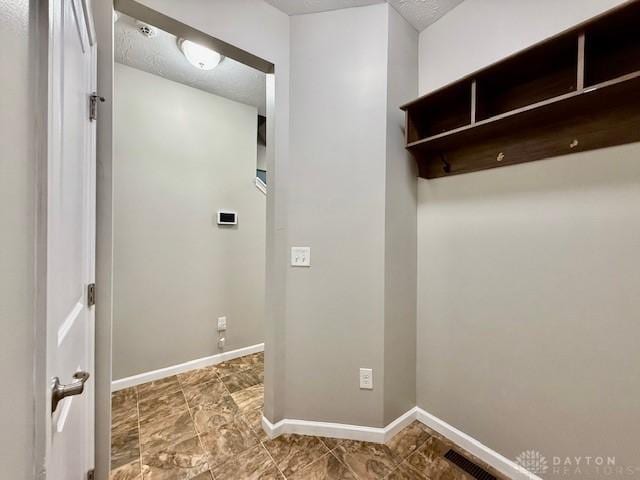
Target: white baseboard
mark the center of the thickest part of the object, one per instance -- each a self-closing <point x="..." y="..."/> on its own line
<point x="384" y="434"/>
<point x="474" y="447"/>
<point x="339" y="430"/>
<point x="184" y="367"/>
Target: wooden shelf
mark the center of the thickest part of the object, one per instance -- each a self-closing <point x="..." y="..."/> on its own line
<point x="541" y="73"/>
<point x="577" y="91"/>
<point x="441" y="112"/>
<point x="612" y="45"/>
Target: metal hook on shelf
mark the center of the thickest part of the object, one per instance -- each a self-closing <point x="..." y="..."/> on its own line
<point x="446" y="166"/>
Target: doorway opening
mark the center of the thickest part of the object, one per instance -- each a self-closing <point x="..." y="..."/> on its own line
<point x="189" y="227"/>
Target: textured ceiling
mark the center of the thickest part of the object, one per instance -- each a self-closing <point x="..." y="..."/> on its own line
<point x="161" y="56"/>
<point x="419" y="13"/>
<point x="300" y="7"/>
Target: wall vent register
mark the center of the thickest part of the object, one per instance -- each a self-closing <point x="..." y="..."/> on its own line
<point x="468" y="466"/>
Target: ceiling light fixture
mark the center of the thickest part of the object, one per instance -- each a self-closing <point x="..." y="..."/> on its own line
<point x="202" y="58"/>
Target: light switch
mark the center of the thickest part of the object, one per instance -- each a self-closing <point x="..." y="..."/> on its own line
<point x="300" y="256"/>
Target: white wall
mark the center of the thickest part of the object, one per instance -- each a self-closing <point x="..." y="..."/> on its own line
<point x="528" y="274"/>
<point x="17" y="245"/>
<point x="177" y="161"/>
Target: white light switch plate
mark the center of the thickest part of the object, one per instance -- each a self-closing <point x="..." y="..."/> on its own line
<point x="222" y="324"/>
<point x="366" y="379"/>
<point x="300" y="256"/>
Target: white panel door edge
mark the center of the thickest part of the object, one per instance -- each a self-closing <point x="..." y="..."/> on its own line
<point x="70" y="239"/>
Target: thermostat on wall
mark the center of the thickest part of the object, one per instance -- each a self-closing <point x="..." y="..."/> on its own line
<point x="226" y="217"/>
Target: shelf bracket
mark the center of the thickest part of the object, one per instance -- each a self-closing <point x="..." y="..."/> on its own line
<point x="445" y="165"/>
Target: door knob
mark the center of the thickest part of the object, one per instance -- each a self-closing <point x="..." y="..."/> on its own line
<point x="59" y="391"/>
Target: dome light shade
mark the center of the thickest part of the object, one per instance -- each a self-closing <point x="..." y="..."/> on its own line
<point x="202" y="58"/>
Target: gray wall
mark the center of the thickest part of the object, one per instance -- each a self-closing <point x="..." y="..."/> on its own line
<point x="352" y="181"/>
<point x="528" y="275"/>
<point x="17" y="245"/>
<point x="335" y="309"/>
<point x="177" y="161"/>
<point x="400" y="227"/>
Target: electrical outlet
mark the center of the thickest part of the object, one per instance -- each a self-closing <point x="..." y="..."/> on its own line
<point x="366" y="379"/>
<point x="300" y="256"/>
<point x="222" y="324"/>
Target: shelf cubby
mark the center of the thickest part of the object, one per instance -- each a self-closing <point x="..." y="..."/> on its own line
<point x="541" y="73"/>
<point x="445" y="110"/>
<point x="612" y="46"/>
<point x="577" y="91"/>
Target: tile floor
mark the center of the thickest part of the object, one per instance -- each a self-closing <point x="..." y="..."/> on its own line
<point x="205" y="425"/>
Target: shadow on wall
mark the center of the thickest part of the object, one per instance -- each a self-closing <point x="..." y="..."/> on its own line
<point x="605" y="168"/>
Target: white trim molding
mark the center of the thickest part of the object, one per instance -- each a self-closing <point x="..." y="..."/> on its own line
<point x="339" y="430"/>
<point x="184" y="367"/>
<point x="384" y="434"/>
<point x="474" y="447"/>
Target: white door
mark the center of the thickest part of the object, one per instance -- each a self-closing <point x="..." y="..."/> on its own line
<point x="70" y="238"/>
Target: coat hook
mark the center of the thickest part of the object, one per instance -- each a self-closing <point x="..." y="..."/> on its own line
<point x="445" y="165"/>
<point x="574" y="143"/>
<point x="500" y="157"/>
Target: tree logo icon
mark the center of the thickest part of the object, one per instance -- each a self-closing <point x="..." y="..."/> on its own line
<point x="533" y="461"/>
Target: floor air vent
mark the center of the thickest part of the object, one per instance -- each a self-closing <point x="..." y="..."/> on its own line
<point x="468" y="466"/>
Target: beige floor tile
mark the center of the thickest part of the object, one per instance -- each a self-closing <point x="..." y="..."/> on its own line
<point x="249" y="399"/>
<point x="405" y="472"/>
<point x="241" y="380"/>
<point x="408" y="440"/>
<point x="124" y="399"/>
<point x="294" y="452"/>
<point x="204" y="393"/>
<point x="253" y="464"/>
<point x="227" y="441"/>
<point x="181" y="461"/>
<point x="366" y="460"/>
<point x="209" y="416"/>
<point x="328" y="467"/>
<point x="192" y="428"/>
<point x="331" y="443"/>
<point x="125" y="448"/>
<point x="240" y="364"/>
<point x="203" y="476"/>
<point x="130" y="471"/>
<point x="162" y="406"/>
<point x="122" y="422"/>
<point x="254" y="418"/>
<point x="427" y="460"/>
<point x="159" y="433"/>
<point x="198" y="376"/>
<point x="156" y="388"/>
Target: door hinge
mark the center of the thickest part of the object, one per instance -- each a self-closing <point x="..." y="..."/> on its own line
<point x="91" y="474"/>
<point x="91" y="294"/>
<point x="93" y="105"/>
